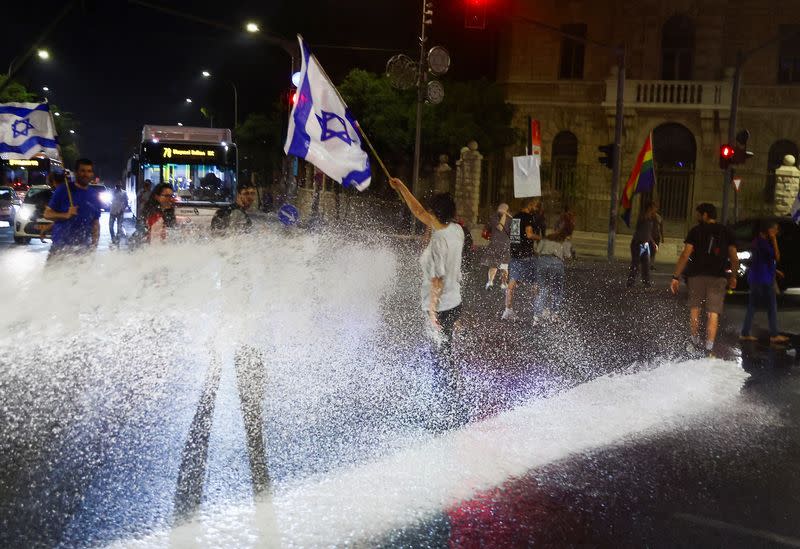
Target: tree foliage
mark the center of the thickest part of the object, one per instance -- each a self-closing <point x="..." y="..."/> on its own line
<point x="470" y="110"/>
<point x="260" y="141"/>
<point x="17" y="93"/>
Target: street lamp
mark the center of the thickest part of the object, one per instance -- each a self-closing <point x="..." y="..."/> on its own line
<point x="252" y="27"/>
<point x="207" y="74"/>
<point x="45" y="88"/>
<point x="56" y="113"/>
<point x="72" y="131"/>
<point x="43" y="54"/>
<point x="188" y="99"/>
<point x="180" y="123"/>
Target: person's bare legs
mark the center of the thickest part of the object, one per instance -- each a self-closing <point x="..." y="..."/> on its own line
<point x="711" y="330"/>
<point x="694" y="323"/>
<point x="492" y="272"/>
<point x="510" y="293"/>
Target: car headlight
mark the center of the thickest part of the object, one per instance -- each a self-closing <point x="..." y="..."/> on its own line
<point x="105" y="197"/>
<point x="743" y="255"/>
<point x="26" y="212"/>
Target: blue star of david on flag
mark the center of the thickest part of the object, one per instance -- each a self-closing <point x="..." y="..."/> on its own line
<point x="21" y="128"/>
<point x="323" y="130"/>
<point x="328" y="133"/>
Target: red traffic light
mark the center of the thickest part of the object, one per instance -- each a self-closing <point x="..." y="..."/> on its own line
<point x="726" y="152"/>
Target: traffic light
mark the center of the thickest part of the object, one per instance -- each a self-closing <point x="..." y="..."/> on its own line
<point x="607" y="159"/>
<point x="475" y="14"/>
<point x="726" y="154"/>
<point x="741" y="154"/>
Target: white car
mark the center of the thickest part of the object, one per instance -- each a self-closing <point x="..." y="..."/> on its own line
<point x="29" y="221"/>
<point x="9" y="202"/>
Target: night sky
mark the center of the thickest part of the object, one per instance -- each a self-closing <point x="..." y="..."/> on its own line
<point x="118" y="66"/>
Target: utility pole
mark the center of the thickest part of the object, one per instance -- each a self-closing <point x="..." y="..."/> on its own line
<point x="617" y="168"/>
<point x="422" y="78"/>
<point x="727" y="176"/>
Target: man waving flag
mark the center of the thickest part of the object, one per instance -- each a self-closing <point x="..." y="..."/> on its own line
<point x="322" y="130"/>
<point x="642" y="179"/>
<point x="27" y="129"/>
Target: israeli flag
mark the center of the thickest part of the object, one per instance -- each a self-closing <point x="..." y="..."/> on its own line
<point x="322" y="128"/>
<point x="796" y="209"/>
<point x="27" y="129"/>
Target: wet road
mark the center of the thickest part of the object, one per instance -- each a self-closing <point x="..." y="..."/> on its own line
<point x="196" y="447"/>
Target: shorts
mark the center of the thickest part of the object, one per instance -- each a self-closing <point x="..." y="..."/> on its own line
<point x="523" y="270"/>
<point x="708" y="289"/>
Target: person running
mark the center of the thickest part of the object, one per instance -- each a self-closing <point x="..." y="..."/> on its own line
<point x="116" y="215"/>
<point x="75" y="210"/>
<point x="235" y="217"/>
<point x="643" y="244"/>
<point x="709" y="251"/>
<point x="761" y="277"/>
<point x="496" y="255"/>
<point x="525" y="233"/>
<point x="550" y="277"/>
<point x="441" y="274"/>
<point x="159" y="213"/>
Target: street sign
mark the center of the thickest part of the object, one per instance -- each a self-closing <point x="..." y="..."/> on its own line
<point x="737" y="182"/>
<point x="288" y="215"/>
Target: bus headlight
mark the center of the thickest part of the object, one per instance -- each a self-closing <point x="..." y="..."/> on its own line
<point x="26" y="212"/>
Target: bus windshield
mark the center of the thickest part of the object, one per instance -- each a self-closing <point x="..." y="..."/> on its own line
<point x="194" y="181"/>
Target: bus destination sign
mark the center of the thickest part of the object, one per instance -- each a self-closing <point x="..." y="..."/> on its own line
<point x="174" y="153"/>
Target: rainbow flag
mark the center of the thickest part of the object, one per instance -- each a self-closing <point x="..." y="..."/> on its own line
<point x="642" y="179"/>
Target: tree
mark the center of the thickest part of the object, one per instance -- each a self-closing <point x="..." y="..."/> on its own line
<point x="470" y="110"/>
<point x="260" y="142"/>
<point x="17" y="93"/>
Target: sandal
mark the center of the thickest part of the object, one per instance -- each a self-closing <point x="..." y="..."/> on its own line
<point x="747" y="338"/>
<point x="779" y="339"/>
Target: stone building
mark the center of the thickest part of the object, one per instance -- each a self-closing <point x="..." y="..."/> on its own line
<point x="680" y="59"/>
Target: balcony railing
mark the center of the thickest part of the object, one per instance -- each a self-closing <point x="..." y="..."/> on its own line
<point x="671" y="94"/>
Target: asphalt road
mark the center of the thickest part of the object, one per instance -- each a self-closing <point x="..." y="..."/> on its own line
<point x="105" y="472"/>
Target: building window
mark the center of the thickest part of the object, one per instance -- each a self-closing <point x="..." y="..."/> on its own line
<point x="674" y="152"/>
<point x="677" y="49"/>
<point x="572" y="52"/>
<point x="565" y="161"/>
<point x="789" y="55"/>
<point x="777" y="151"/>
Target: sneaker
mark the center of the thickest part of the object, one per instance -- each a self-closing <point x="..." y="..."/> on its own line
<point x="695" y="340"/>
<point x="509" y="314"/>
<point x="778" y="340"/>
<point x="503" y="286"/>
<point x="488" y="285"/>
<point x="747" y="338"/>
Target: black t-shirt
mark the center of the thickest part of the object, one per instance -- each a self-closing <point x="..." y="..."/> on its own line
<point x="710" y="255"/>
<point x="521" y="246"/>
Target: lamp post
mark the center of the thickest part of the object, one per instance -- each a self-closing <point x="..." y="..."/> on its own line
<point x="42" y="54"/>
<point x="207" y="74"/>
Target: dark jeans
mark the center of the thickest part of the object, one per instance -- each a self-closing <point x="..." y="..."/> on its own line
<point x="764" y="293"/>
<point x="447" y="374"/>
<point x="118" y="219"/>
<point x="640" y="256"/>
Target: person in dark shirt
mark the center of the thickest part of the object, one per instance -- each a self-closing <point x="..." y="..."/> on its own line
<point x="525" y="232"/>
<point x="710" y="261"/>
<point x="234" y="218"/>
<point x="75" y="210"/>
<point x="643" y="244"/>
<point x="764" y="256"/>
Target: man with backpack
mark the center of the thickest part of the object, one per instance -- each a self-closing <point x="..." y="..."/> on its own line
<point x="710" y="253"/>
<point x="235" y="217"/>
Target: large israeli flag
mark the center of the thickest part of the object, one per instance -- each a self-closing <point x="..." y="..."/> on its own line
<point x="27" y="129"/>
<point x="322" y="129"/>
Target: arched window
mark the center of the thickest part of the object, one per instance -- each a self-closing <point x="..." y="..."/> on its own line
<point x="677" y="49"/>
<point x="777" y="151"/>
<point x="564" y="160"/>
<point x="674" y="151"/>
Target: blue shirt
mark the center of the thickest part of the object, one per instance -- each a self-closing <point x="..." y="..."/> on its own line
<point x="762" y="262"/>
<point x="76" y="231"/>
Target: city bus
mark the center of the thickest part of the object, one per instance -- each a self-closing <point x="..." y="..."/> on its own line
<point x="201" y="165"/>
<point x="24" y="173"/>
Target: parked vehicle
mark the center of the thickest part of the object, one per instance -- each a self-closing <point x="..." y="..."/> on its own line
<point x="788" y="243"/>
<point x="29" y="221"/>
<point x="8" y="205"/>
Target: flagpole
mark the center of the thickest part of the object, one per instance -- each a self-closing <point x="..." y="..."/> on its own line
<point x="372" y="149"/>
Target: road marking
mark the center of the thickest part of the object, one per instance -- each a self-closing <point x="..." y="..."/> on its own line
<point x="735" y="528"/>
